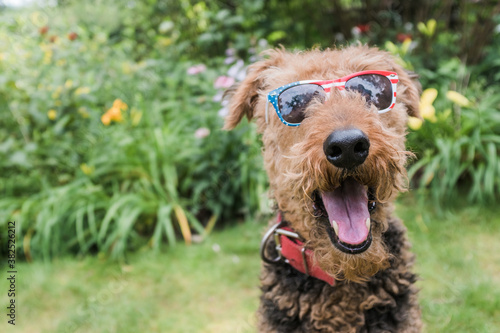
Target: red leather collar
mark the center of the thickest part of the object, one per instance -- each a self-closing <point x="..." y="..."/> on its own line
<point x="291" y="249"/>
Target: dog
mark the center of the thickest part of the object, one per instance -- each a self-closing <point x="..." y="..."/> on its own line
<point x="333" y="126"/>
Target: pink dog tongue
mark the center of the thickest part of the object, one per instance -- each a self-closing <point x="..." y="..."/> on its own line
<point x="348" y="206"/>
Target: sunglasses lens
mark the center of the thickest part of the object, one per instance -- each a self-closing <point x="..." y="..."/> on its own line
<point x="375" y="88"/>
<point x="293" y="101"/>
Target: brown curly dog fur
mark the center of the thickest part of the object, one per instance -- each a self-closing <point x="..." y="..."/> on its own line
<point x="374" y="289"/>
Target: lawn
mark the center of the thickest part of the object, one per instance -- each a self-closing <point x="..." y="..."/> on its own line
<point x="213" y="286"/>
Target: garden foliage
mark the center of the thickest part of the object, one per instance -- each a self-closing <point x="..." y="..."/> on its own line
<point x="110" y="136"/>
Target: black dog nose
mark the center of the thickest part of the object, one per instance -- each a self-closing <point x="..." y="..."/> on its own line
<point x="346" y="148"/>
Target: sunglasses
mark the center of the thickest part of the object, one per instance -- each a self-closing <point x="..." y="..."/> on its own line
<point x="290" y="101"/>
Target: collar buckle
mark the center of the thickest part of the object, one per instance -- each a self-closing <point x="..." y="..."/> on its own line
<point x="277" y="231"/>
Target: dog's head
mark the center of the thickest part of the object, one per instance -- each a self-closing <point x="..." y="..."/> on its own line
<point x="334" y="149"/>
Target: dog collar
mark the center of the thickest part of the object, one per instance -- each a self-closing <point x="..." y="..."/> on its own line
<point x="292" y="250"/>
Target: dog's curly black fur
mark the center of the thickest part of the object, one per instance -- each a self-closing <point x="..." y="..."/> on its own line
<point x="391" y="291"/>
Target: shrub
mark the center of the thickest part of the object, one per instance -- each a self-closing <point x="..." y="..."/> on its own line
<point x="462" y="147"/>
<point x="108" y="153"/>
<point x="458" y="143"/>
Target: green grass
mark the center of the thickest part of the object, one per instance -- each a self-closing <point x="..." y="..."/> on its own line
<point x="209" y="287"/>
<point x="213" y="286"/>
<point x="458" y="260"/>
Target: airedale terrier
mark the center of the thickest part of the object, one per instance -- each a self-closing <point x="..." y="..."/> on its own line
<point x="333" y="124"/>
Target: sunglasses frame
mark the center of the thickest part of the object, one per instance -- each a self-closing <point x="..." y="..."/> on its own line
<point x="272" y="96"/>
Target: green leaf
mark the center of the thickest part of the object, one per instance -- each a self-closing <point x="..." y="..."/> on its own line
<point x="276" y="36"/>
<point x="431" y="27"/>
<point x="79" y="228"/>
<point x="422" y="28"/>
<point x="164" y="219"/>
<point x="112" y="212"/>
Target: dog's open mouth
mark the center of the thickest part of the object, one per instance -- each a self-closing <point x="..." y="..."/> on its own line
<point x="348" y="209"/>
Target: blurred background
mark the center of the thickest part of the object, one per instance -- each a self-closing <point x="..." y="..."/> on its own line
<point x="134" y="211"/>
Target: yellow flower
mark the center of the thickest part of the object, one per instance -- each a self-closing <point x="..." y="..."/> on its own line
<point x="82" y="91"/>
<point x="414" y="123"/>
<point x="68" y="84"/>
<point x="114" y="113"/>
<point x="106" y="119"/>
<point x="428" y="96"/>
<point x="405" y="46"/>
<point x="458" y="98"/>
<point x="86" y="169"/>
<point x="52" y="114"/>
<point x="427" y="110"/>
<point x="118" y="103"/>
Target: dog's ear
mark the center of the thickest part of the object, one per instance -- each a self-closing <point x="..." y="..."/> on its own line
<point x="411" y="91"/>
<point x="243" y="96"/>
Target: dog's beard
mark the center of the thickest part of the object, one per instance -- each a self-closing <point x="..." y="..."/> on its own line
<point x="309" y="171"/>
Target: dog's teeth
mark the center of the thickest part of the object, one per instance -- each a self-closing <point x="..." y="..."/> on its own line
<point x="368" y="223"/>
<point x="335" y="227"/>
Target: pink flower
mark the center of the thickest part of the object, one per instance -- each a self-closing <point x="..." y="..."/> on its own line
<point x="201" y="133"/>
<point x="223" y="112"/>
<point x="237" y="70"/>
<point x="223" y="82"/>
<point x="196" y="69"/>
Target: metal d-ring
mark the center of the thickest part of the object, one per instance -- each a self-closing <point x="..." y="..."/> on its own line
<point x="263" y="245"/>
<point x="276" y="231"/>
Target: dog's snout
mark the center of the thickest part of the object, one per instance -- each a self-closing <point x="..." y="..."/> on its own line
<point x="346" y="148"/>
